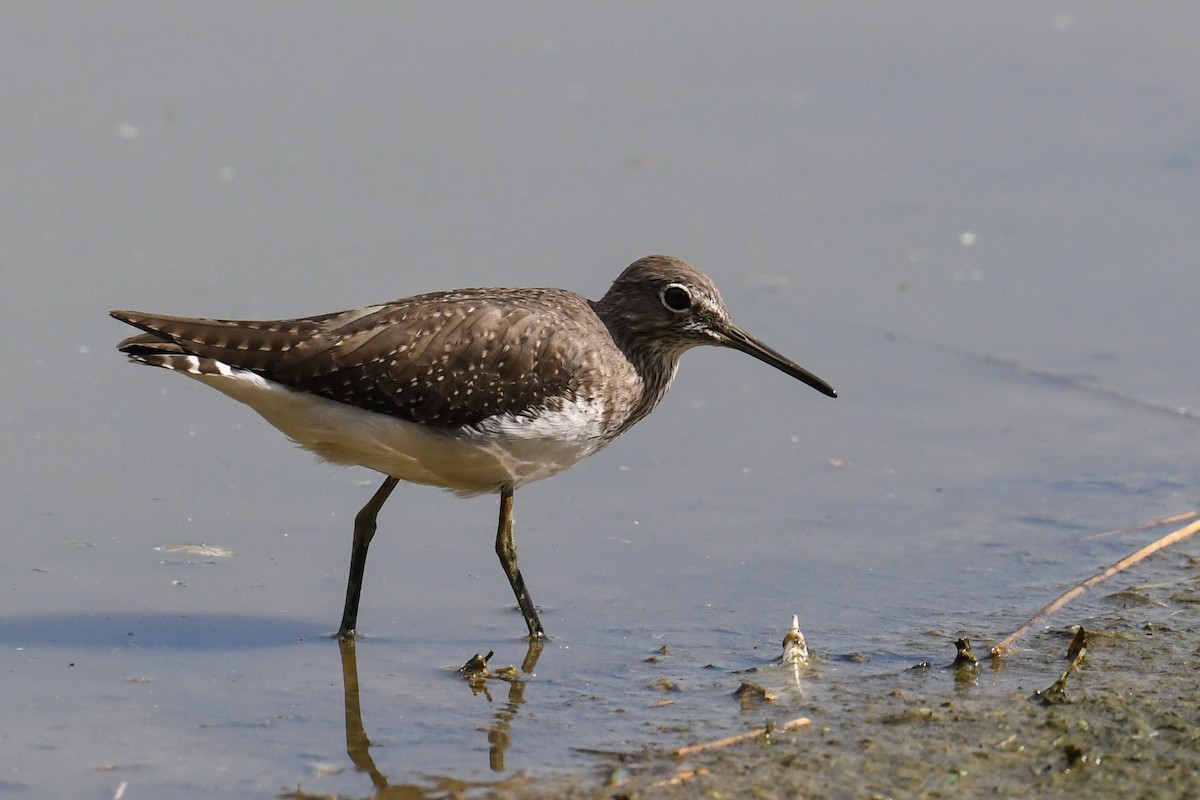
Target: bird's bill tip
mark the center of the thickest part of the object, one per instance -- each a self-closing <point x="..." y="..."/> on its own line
<point x="803" y="375"/>
<point x="738" y="339"/>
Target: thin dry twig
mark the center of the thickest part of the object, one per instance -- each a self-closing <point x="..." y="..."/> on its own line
<point x="1124" y="564"/>
<point x="1145" y="526"/>
<point x="758" y="733"/>
<point x="683" y="776"/>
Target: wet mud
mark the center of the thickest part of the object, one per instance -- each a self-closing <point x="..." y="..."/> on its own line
<point x="1124" y="722"/>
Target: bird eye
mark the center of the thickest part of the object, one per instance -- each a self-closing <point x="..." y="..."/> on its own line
<point x="676" y="298"/>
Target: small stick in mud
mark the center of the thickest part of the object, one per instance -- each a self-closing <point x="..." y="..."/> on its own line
<point x="1120" y="566"/>
<point x="963" y="657"/>
<point x="1056" y="693"/>
<point x="758" y="733"/>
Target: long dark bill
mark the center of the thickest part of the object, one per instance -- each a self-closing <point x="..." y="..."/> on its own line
<point x="738" y="339"/>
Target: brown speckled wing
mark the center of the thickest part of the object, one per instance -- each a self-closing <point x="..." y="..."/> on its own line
<point x="449" y="359"/>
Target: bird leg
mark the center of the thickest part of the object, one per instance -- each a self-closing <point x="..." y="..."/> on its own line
<point x="364" y="531"/>
<point x="506" y="548"/>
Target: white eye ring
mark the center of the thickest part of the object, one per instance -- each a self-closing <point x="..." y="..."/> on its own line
<point x="676" y="298"/>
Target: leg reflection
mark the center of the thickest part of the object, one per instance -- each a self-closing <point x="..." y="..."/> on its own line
<point x="498" y="731"/>
<point x="358" y="746"/>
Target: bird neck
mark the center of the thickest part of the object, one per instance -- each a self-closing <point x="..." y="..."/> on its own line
<point x="652" y="357"/>
<point x="657" y="370"/>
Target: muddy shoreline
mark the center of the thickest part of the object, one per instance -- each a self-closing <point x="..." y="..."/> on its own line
<point x="1129" y="723"/>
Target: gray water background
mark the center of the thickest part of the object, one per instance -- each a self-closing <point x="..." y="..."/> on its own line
<point x="894" y="195"/>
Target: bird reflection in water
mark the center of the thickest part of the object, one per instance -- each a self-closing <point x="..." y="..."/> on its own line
<point x="358" y="744"/>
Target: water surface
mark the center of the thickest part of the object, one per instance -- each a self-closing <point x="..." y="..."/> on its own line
<point x="921" y="205"/>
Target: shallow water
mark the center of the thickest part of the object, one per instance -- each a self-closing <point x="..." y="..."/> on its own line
<point x="966" y="220"/>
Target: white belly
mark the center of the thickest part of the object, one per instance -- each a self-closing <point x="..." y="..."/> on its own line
<point x="504" y="451"/>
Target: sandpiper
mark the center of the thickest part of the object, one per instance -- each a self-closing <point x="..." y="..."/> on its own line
<point x="475" y="391"/>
